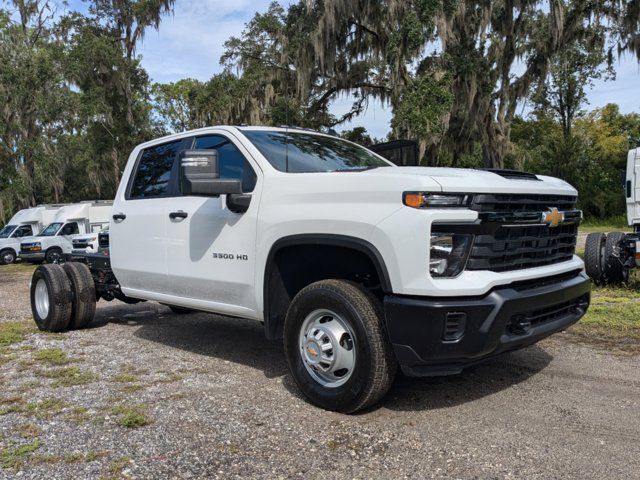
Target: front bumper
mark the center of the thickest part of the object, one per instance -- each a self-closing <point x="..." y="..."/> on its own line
<point x="441" y="336"/>
<point x="31" y="256"/>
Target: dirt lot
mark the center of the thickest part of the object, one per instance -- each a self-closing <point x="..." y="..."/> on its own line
<point x="148" y="394"/>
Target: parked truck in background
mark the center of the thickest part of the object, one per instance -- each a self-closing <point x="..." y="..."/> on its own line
<point x="69" y="221"/>
<point x="609" y="258"/>
<point x="358" y="266"/>
<point x="25" y="223"/>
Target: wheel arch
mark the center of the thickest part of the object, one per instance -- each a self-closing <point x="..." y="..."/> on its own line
<point x="273" y="320"/>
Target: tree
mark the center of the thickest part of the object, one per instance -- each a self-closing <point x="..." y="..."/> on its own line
<point x="35" y="103"/>
<point x="375" y="49"/>
<point x="571" y="73"/>
<point x="174" y="103"/>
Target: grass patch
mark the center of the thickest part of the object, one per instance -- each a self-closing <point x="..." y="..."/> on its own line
<point x="613" y="319"/>
<point x="134" y="416"/>
<point x="68" y="376"/>
<point x="78" y="415"/>
<point x="18" y="267"/>
<point x="28" y="431"/>
<point x="132" y="388"/>
<point x="14" y="456"/>
<point x="52" y="356"/>
<point x="116" y="468"/>
<point x="10" y="405"/>
<point x="617" y="223"/>
<point x="124" y="378"/>
<point x="45" y="409"/>
<point x="14" y="332"/>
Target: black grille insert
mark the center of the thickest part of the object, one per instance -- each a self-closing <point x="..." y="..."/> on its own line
<point x="513" y="235"/>
<point x="523" y="246"/>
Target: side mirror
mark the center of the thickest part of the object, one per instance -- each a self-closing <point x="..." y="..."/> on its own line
<point x="200" y="175"/>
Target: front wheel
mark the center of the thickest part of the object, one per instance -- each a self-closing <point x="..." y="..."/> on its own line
<point x="53" y="255"/>
<point x="336" y="346"/>
<point x="7" y="257"/>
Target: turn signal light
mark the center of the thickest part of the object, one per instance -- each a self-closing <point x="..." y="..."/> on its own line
<point x="436" y="200"/>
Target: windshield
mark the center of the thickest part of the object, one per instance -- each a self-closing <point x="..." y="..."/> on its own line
<point x="51" y="230"/>
<point x="298" y="152"/>
<point x="8" y="230"/>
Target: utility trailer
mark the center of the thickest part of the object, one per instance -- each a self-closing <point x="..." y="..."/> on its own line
<point x="609" y="258"/>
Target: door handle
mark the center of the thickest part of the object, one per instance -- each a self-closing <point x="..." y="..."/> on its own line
<point x="179" y="214"/>
<point x="119" y="217"/>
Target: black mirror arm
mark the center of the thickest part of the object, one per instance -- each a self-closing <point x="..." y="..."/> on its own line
<point x="239" y="202"/>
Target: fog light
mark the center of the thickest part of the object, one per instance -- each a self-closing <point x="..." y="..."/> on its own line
<point x="448" y="253"/>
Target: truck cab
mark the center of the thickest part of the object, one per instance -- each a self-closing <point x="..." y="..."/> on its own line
<point x="358" y="266"/>
<point x="56" y="238"/>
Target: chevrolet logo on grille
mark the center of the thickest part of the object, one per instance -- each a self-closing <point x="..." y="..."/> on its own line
<point x="553" y="217"/>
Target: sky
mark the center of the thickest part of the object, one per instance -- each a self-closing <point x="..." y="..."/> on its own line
<point x="189" y="43"/>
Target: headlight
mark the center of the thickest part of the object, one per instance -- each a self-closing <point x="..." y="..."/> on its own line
<point x="436" y="200"/>
<point x="448" y="254"/>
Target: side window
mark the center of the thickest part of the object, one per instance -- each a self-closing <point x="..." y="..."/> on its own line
<point x="233" y="165"/>
<point x="24" y="231"/>
<point x="153" y="172"/>
<point x="70" y="229"/>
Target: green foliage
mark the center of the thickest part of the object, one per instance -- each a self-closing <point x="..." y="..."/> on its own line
<point x="592" y="158"/>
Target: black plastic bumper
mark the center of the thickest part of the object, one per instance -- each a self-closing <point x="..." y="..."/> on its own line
<point x="441" y="336"/>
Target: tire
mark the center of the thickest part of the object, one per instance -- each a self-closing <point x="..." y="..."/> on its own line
<point x="7" y="257"/>
<point x="51" y="298"/>
<point x="53" y="255"/>
<point x="594" y="256"/>
<point x="355" y="316"/>
<point x="614" y="271"/>
<point x="84" y="294"/>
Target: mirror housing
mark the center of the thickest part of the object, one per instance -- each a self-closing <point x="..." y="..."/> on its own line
<point x="200" y="175"/>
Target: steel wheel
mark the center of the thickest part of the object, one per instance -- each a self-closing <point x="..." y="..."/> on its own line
<point x="327" y="347"/>
<point x="42" y="298"/>
<point x="8" y="257"/>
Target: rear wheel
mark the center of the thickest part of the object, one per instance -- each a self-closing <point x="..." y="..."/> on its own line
<point x="84" y="294"/>
<point x="53" y="255"/>
<point x="51" y="298"/>
<point x="7" y="257"/>
<point x="336" y="346"/>
<point x="614" y="271"/>
<point x="594" y="256"/>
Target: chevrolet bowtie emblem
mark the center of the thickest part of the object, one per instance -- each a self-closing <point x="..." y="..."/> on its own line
<point x="553" y="217"/>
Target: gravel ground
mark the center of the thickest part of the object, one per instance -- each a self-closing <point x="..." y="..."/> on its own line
<point x="218" y="402"/>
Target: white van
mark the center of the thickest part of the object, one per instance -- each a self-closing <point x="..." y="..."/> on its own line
<point x="25" y="223"/>
<point x="72" y="220"/>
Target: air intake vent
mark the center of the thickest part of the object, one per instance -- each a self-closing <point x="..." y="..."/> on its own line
<point x="514" y="174"/>
<point x="454" y="326"/>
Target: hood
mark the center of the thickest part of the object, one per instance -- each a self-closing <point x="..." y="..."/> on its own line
<point x="482" y="181"/>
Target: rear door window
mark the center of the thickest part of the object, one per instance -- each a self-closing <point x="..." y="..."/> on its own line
<point x="155" y="175"/>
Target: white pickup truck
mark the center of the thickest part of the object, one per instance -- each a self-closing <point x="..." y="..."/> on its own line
<point x="358" y="265"/>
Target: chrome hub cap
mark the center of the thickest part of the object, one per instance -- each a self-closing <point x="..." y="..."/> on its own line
<point x="8" y="257"/>
<point x="42" y="299"/>
<point x="327" y="348"/>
